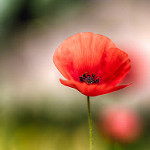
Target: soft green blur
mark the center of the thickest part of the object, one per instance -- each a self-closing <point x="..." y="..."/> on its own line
<point x="36" y="111"/>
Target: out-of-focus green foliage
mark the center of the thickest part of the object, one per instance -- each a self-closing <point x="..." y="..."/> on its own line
<point x="27" y="127"/>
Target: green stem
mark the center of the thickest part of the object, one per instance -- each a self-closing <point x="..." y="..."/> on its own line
<point x="90" y="123"/>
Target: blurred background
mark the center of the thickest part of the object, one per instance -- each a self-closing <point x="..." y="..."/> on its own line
<point x="36" y="111"/>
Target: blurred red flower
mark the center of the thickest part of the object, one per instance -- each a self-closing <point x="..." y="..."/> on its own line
<point x="121" y="125"/>
<point x="91" y="63"/>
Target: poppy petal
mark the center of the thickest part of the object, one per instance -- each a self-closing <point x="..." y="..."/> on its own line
<point x="81" y="53"/>
<point x="117" y="65"/>
<point x="63" y="62"/>
<point x="91" y="90"/>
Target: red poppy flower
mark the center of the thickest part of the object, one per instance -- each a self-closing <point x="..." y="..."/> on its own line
<point x="91" y="63"/>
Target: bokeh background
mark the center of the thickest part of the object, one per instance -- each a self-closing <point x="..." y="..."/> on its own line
<point x="36" y="111"/>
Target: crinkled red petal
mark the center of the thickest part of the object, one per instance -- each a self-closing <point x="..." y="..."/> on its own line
<point x="115" y="65"/>
<point x="93" y="89"/>
<point x="81" y="53"/>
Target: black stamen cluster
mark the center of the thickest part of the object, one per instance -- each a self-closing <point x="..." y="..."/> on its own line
<point x="89" y="79"/>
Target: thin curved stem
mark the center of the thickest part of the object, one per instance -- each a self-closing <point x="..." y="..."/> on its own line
<point x="90" y="123"/>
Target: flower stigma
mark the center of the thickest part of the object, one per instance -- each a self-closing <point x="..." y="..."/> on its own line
<point x="89" y="79"/>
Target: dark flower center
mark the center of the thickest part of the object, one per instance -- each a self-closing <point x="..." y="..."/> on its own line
<point x="89" y="79"/>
